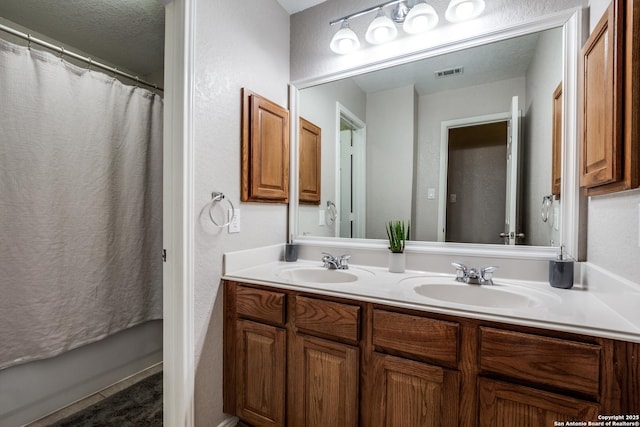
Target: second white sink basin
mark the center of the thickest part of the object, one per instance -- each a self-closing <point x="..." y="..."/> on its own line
<point x="317" y="275"/>
<point x="486" y="296"/>
<point x="501" y="295"/>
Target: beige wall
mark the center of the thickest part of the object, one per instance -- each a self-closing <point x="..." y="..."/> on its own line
<point x="238" y="44"/>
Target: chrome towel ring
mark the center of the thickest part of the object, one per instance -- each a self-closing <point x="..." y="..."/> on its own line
<point x="218" y="197"/>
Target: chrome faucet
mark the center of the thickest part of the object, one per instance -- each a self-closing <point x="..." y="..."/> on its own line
<point x="331" y="262"/>
<point x="473" y="276"/>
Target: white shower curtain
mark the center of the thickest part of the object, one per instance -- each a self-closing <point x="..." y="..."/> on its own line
<point x="80" y="205"/>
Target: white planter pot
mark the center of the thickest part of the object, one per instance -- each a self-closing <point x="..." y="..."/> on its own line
<point x="397" y="262"/>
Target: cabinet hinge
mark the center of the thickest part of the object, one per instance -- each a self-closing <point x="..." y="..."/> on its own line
<point x="164" y="255"/>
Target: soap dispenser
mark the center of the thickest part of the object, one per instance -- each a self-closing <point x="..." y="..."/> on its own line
<point x="561" y="271"/>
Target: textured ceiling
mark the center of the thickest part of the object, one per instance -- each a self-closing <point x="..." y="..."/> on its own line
<point x="127" y="33"/>
<point x="508" y="59"/>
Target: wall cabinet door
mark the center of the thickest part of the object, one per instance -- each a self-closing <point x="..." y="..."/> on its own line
<point x="310" y="164"/>
<point x="261" y="373"/>
<point x="409" y="393"/>
<point x="265" y="150"/>
<point x="556" y="138"/>
<point x="325" y="381"/>
<point x="610" y="102"/>
<point x="505" y="405"/>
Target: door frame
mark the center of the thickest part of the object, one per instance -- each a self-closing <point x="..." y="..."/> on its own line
<point x="359" y="171"/>
<point x="444" y="158"/>
<point x="178" y="215"/>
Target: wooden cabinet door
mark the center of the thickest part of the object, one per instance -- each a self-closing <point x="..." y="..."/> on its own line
<point x="261" y="373"/>
<point x="324" y="384"/>
<point x="265" y="150"/>
<point x="310" y="163"/>
<point x="408" y="393"/>
<point x="602" y="100"/>
<point x="506" y="405"/>
<point x="556" y="150"/>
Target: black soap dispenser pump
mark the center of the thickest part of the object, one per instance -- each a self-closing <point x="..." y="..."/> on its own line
<point x="561" y="271"/>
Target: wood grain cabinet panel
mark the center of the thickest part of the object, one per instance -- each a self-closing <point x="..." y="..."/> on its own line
<point x="506" y="405"/>
<point x="431" y="340"/>
<point x="550" y="362"/>
<point x="265" y="150"/>
<point x="610" y="102"/>
<point x="310" y="162"/>
<point x="556" y="156"/>
<point x="409" y="393"/>
<point x="325" y="377"/>
<point x="261" y="374"/>
<point x="261" y="305"/>
<point x="328" y="319"/>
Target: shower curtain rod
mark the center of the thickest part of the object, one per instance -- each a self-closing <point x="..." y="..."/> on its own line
<point x="63" y="52"/>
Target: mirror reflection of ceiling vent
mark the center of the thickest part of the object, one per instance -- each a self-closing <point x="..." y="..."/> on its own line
<point x="449" y="72"/>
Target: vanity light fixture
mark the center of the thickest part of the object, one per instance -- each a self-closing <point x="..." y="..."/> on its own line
<point x="345" y="40"/>
<point x="421" y="18"/>
<point x="415" y="16"/>
<point x="381" y="30"/>
<point x="463" y="10"/>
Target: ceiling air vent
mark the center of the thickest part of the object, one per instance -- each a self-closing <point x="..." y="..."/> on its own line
<point x="449" y="72"/>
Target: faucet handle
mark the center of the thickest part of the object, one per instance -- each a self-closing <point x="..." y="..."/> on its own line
<point x="343" y="262"/>
<point x="486" y="274"/>
<point x="461" y="271"/>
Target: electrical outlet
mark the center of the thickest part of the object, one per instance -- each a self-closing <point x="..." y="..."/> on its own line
<point x="639" y="225"/>
<point x="234" y="221"/>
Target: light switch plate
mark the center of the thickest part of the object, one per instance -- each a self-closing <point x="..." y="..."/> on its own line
<point x="431" y="193"/>
<point x="639" y="225"/>
<point x="321" y="216"/>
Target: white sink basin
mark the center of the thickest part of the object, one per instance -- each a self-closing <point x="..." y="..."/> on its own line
<point x="486" y="296"/>
<point x="317" y="275"/>
<point x="501" y="295"/>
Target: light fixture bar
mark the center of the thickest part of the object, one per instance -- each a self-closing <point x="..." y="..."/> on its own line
<point x="365" y="11"/>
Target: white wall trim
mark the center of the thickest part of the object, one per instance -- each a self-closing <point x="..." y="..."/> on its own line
<point x="179" y="215"/>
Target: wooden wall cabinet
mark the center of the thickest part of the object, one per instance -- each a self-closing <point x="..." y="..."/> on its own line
<point x="265" y="150"/>
<point x="310" y="162"/>
<point x="354" y="363"/>
<point x="556" y="149"/>
<point x="610" y="101"/>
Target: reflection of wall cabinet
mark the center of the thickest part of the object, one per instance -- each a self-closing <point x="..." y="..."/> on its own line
<point x="611" y="101"/>
<point x="350" y="363"/>
<point x="265" y="150"/>
<point x="556" y="157"/>
<point x="310" y="162"/>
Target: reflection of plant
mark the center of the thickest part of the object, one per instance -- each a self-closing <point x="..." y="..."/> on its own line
<point x="397" y="235"/>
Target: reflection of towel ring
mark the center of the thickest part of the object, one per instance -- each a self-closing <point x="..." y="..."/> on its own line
<point x="547" y="201"/>
<point x="332" y="212"/>
<point x="215" y="198"/>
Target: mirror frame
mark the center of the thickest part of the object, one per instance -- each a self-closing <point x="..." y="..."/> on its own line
<point x="573" y="207"/>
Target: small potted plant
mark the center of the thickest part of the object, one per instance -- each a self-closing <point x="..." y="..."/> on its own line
<point x="398" y="234"/>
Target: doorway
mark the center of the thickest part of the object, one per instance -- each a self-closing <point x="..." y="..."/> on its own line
<point x="476" y="182"/>
<point x="350" y="175"/>
<point x="487" y="149"/>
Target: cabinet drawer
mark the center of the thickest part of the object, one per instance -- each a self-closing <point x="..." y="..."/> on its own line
<point x="420" y="337"/>
<point x="548" y="361"/>
<point x="327" y="318"/>
<point x="259" y="304"/>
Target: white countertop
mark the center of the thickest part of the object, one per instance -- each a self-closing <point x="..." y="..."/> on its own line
<point x="574" y="310"/>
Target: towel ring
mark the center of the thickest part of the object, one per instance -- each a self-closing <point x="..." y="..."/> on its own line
<point x="218" y="197"/>
<point x="547" y="201"/>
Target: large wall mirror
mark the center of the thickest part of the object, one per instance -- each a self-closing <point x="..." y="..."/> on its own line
<point x="458" y="141"/>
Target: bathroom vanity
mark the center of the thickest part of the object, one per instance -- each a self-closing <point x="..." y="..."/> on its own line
<point x="371" y="348"/>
